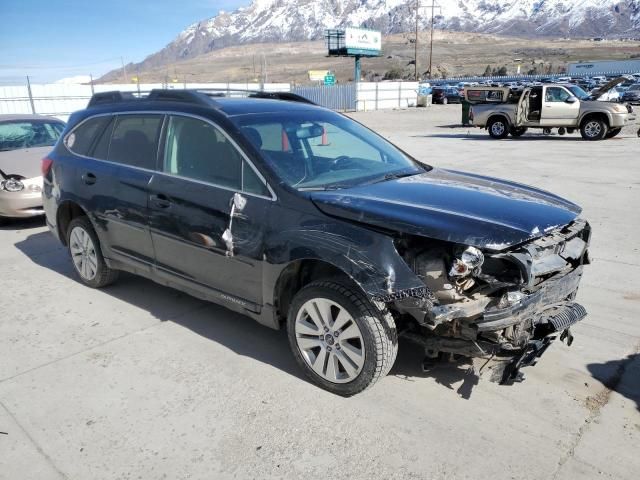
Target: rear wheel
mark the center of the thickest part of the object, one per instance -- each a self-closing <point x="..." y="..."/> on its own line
<point x="498" y="128"/>
<point x="518" y="131"/>
<point x="593" y="129"/>
<point x="342" y="342"/>
<point x="613" y="132"/>
<point x="86" y="254"/>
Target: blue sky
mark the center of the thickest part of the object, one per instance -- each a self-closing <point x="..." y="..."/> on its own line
<point x="53" y="39"/>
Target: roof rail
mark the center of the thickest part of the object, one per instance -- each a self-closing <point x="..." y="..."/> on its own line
<point x="188" y="96"/>
<point x="203" y="97"/>
<point x="115" y="96"/>
<point x="287" y="96"/>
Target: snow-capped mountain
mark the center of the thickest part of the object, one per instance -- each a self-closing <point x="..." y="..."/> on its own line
<point x="294" y="20"/>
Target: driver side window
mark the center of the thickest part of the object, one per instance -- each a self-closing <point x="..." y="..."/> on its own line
<point x="556" y="94"/>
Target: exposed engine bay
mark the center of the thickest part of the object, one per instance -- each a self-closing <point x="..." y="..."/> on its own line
<point x="501" y="306"/>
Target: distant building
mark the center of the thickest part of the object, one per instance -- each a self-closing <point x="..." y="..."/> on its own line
<point x="603" y="67"/>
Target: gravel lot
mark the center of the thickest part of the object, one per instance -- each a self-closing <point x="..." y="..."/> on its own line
<point x="138" y="381"/>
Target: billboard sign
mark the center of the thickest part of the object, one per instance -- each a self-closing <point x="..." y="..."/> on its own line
<point x="318" y="75"/>
<point x="361" y="39"/>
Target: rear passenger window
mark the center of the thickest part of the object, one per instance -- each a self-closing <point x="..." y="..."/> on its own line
<point x="198" y="150"/>
<point x="81" y="138"/>
<point x="134" y="140"/>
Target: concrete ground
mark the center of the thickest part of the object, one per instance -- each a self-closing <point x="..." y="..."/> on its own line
<point x="138" y="381"/>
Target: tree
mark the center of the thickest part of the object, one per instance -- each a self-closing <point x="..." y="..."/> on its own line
<point x="502" y="71"/>
<point x="393" y="74"/>
<point x="487" y="71"/>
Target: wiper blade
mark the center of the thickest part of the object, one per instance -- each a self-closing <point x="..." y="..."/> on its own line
<point x="323" y="188"/>
<point x="391" y="176"/>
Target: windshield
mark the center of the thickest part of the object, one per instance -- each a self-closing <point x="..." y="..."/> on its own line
<point x="318" y="149"/>
<point x="578" y="92"/>
<point x="634" y="87"/>
<point x="17" y="134"/>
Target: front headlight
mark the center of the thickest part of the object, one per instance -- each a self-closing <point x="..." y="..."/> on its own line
<point x="12" y="185"/>
<point x="620" y="108"/>
<point x="470" y="259"/>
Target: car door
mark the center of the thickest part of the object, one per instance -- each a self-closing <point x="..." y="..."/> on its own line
<point x="201" y="238"/>
<point x="522" y="110"/>
<point x="559" y="107"/>
<point x="114" y="178"/>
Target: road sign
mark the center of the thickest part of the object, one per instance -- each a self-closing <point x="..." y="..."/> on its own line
<point x="318" y="75"/>
<point x="330" y="80"/>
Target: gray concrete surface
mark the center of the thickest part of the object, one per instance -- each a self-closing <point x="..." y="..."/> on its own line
<point x="141" y="382"/>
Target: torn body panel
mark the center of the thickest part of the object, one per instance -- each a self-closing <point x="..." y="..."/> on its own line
<point x="510" y="308"/>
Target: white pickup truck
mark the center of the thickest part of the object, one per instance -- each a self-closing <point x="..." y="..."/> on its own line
<point x="563" y="106"/>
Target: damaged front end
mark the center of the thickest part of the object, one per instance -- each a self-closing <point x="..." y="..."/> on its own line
<point x="503" y="308"/>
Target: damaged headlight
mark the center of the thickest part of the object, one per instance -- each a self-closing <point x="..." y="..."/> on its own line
<point x="12" y="185"/>
<point x="469" y="260"/>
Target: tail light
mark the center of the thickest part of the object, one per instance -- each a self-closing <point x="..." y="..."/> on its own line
<point x="46" y="165"/>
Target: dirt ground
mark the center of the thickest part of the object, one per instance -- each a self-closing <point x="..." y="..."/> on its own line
<point x="140" y="381"/>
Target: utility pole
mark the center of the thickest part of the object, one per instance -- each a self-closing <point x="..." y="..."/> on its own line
<point x="124" y="70"/>
<point x="433" y="6"/>
<point x="415" y="44"/>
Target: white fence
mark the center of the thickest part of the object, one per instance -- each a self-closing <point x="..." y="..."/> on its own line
<point x="385" y="95"/>
<point x="62" y="100"/>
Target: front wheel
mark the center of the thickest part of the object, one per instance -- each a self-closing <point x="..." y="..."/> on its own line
<point x="343" y="343"/>
<point x="498" y="128"/>
<point x="613" y="132"/>
<point x="593" y="129"/>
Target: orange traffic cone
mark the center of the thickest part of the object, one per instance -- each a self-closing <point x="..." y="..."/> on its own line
<point x="285" y="141"/>
<point x="325" y="139"/>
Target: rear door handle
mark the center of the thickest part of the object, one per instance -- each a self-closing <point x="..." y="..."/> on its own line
<point x="160" y="201"/>
<point x="89" y="178"/>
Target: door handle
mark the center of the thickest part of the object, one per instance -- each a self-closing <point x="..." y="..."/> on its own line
<point x="89" y="178"/>
<point x="160" y="201"/>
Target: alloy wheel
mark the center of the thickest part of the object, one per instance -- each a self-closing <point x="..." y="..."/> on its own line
<point x="593" y="129"/>
<point x="83" y="253"/>
<point x="329" y="340"/>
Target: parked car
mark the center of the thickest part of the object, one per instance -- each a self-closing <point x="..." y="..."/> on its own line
<point x="548" y="106"/>
<point x="24" y="140"/>
<point x="303" y="219"/>
<point x="632" y="94"/>
<point x="444" y="95"/>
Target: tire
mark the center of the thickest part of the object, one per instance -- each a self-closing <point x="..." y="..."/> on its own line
<point x="445" y="100"/>
<point x="593" y="129"/>
<point x="498" y="128"/>
<point x="517" y="132"/>
<point x="613" y="132"/>
<point x="86" y="254"/>
<point x="368" y="335"/>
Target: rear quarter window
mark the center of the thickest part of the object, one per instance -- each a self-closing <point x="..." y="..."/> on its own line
<point x="81" y="139"/>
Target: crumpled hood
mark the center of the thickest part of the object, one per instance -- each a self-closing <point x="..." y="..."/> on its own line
<point x="452" y="206"/>
<point x="25" y="162"/>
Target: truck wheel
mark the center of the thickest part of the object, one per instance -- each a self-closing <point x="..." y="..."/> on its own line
<point x="343" y="343"/>
<point x="518" y="131"/>
<point x="498" y="128"/>
<point x="86" y="254"/>
<point x="613" y="132"/>
<point x="593" y="129"/>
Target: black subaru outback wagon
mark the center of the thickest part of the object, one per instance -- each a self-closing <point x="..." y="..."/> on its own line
<point x="301" y="218"/>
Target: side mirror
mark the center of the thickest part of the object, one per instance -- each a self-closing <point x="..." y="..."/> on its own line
<point x="571" y="99"/>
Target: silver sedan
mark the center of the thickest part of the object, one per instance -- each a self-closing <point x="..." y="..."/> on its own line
<point x="24" y="141"/>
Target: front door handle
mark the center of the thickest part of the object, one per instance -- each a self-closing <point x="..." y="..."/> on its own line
<point x="89" y="178"/>
<point x="160" y="201"/>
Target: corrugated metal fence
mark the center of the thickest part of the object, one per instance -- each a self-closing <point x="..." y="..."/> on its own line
<point x="337" y="97"/>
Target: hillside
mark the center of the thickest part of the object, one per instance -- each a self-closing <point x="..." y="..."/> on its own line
<point x="455" y="53"/>
<point x="284" y="21"/>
